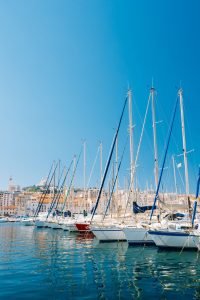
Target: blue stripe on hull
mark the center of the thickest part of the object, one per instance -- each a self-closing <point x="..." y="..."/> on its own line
<point x="169" y="233"/>
<point x="106" y="230"/>
<point x="177" y="248"/>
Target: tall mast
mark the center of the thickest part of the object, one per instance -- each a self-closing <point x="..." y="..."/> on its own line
<point x="84" y="174"/>
<point x="116" y="166"/>
<point x="72" y="181"/>
<point x="152" y="91"/>
<point x="101" y="168"/>
<point x="84" y="165"/>
<point x="174" y="169"/>
<point x="131" y="138"/>
<point x="58" y="171"/>
<point x="73" y="172"/>
<point x="54" y="178"/>
<point x="180" y="93"/>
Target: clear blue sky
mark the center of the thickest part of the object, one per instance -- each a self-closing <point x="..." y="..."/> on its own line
<point x="64" y="71"/>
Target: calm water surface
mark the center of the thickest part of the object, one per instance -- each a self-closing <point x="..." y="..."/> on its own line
<point x="53" y="264"/>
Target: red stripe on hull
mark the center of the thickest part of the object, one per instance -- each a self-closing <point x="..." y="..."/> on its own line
<point x="83" y="226"/>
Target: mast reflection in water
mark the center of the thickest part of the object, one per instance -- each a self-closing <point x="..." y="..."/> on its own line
<point x="41" y="263"/>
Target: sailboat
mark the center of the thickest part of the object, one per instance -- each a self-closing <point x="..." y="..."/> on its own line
<point x="86" y="225"/>
<point x="177" y="234"/>
<point x="40" y="217"/>
<point x="109" y="229"/>
<point x="138" y="233"/>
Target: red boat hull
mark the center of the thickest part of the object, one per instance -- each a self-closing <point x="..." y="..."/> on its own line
<point x="83" y="227"/>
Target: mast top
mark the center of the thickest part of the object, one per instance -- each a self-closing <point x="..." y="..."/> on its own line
<point x="180" y="91"/>
<point x="129" y="93"/>
<point x="152" y="89"/>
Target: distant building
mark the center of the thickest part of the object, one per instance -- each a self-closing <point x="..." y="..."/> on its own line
<point x="7" y="203"/>
<point x="42" y="182"/>
<point x="12" y="187"/>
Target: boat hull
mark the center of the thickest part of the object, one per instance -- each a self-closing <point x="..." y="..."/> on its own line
<point x="83" y="227"/>
<point x="56" y="225"/>
<point x="137" y="236"/>
<point x="28" y="223"/>
<point x="108" y="234"/>
<point x="173" y="239"/>
<point x="196" y="240"/>
<point x="40" y="224"/>
<point x="3" y="220"/>
<point x="64" y="227"/>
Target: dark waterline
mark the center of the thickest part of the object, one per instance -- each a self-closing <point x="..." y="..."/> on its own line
<point x="53" y="264"/>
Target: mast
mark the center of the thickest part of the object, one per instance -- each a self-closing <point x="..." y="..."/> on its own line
<point x="101" y="168"/>
<point x="72" y="190"/>
<point x="84" y="165"/>
<point x="131" y="139"/>
<point x="180" y="93"/>
<point x="174" y="169"/>
<point x="58" y="171"/>
<point x="152" y="91"/>
<point x="108" y="161"/>
<point x="116" y="166"/>
<point x="54" y="180"/>
<point x="164" y="159"/>
<point x="84" y="174"/>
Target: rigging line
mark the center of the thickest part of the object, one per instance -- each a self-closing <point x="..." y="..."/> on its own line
<point x="140" y="118"/>
<point x="167" y="177"/>
<point x="164" y="160"/>
<point x="138" y="151"/>
<point x="71" y="182"/>
<point x="109" y="160"/>
<point x="87" y="186"/>
<point x="114" y="183"/>
<point x="47" y="189"/>
<point x="142" y="132"/>
<point x="178" y="148"/>
<point x="61" y="189"/>
<point x="56" y="195"/>
<point x="196" y="197"/>
<point x="63" y="183"/>
<point x="53" y="174"/>
<point x="45" y="185"/>
<point x="182" y="181"/>
<point x="189" y="131"/>
<point x="92" y="169"/>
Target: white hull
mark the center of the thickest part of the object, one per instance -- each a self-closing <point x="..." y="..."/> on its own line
<point x="28" y="223"/>
<point x="173" y="239"/>
<point x="3" y="220"/>
<point x="55" y="225"/>
<point x="48" y="224"/>
<point x="72" y="228"/>
<point x="40" y="224"/>
<point x="137" y="236"/>
<point x="196" y="240"/>
<point x="106" y="233"/>
<point x="64" y="227"/>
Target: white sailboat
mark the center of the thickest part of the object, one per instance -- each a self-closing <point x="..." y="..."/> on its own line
<point x="28" y="221"/>
<point x="108" y="233"/>
<point x="182" y="235"/>
<point x="138" y="233"/>
<point x="111" y="230"/>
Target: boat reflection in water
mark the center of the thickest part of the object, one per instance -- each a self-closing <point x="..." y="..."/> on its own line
<point x="61" y="265"/>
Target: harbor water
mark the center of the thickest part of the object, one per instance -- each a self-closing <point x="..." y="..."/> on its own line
<point x="53" y="264"/>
